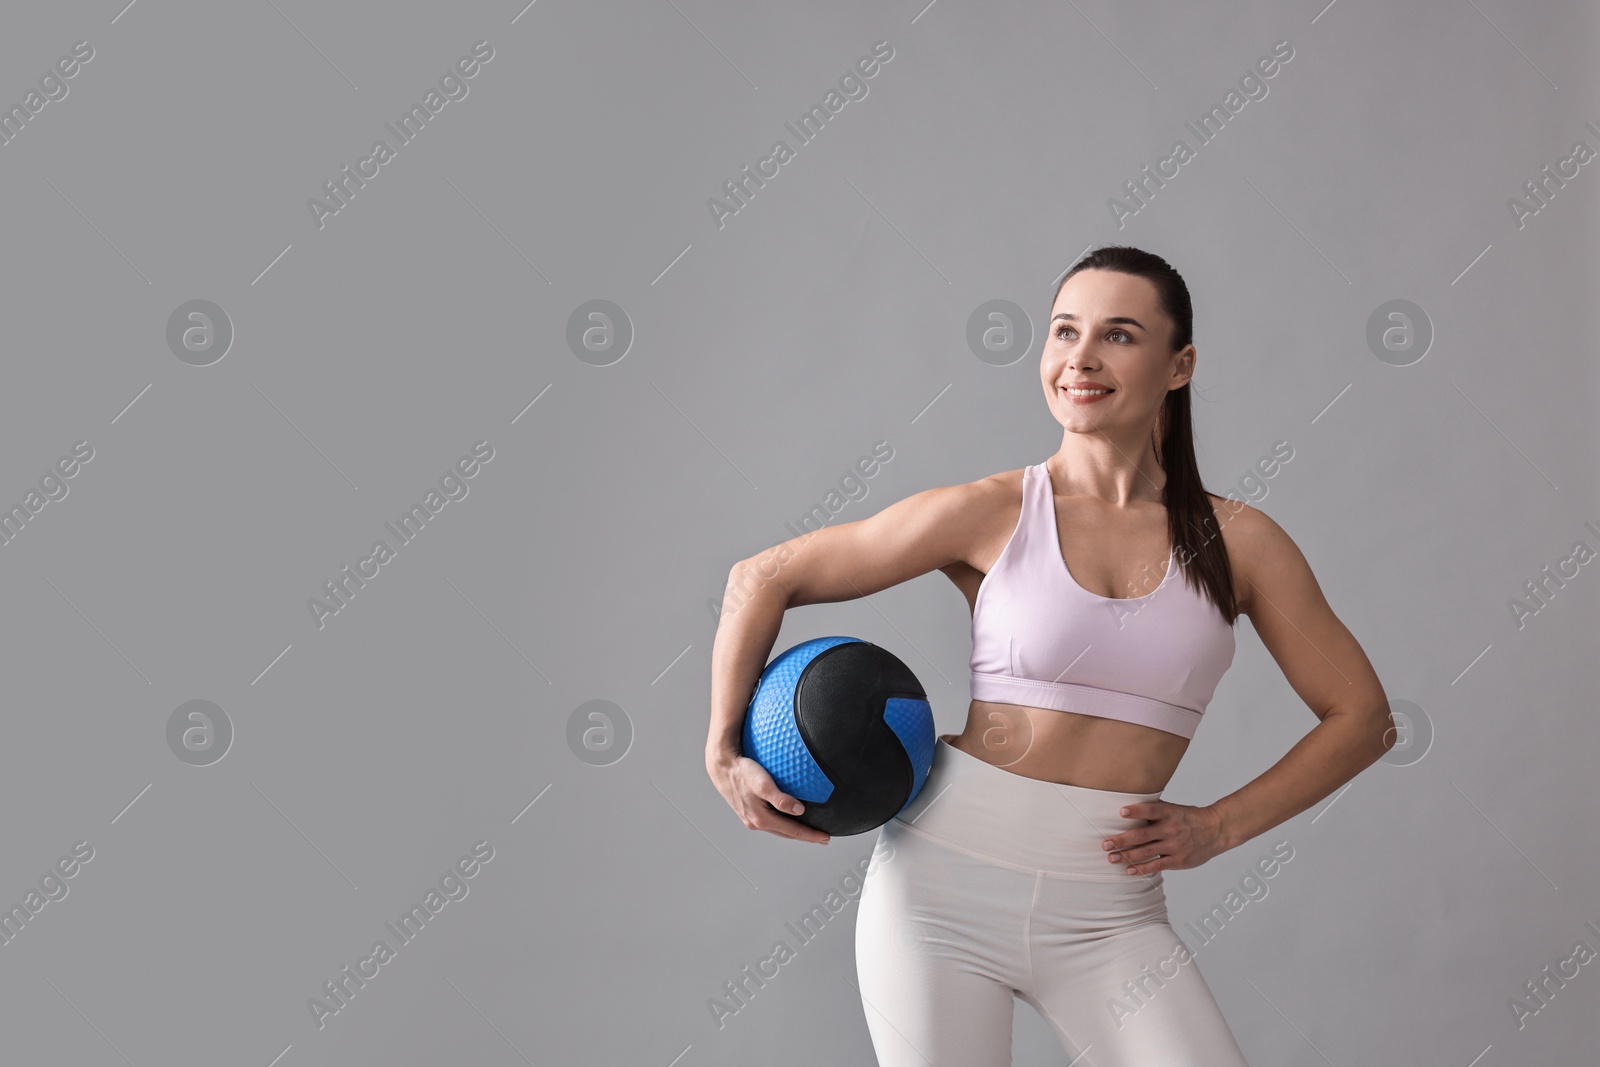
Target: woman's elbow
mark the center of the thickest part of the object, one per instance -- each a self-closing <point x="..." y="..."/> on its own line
<point x="755" y="576"/>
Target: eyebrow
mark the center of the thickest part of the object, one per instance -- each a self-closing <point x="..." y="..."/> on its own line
<point x="1120" y="319"/>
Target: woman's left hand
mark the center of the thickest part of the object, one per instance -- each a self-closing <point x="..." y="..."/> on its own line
<point x="1177" y="836"/>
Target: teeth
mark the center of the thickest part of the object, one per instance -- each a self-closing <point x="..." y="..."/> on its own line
<point x="1087" y="392"/>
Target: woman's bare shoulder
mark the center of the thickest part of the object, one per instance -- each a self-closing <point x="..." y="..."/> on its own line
<point x="1248" y="528"/>
<point x="998" y="484"/>
<point x="1250" y="537"/>
<point x="948" y="527"/>
<point x="985" y="501"/>
<point x="988" y="511"/>
<point x="981" y="492"/>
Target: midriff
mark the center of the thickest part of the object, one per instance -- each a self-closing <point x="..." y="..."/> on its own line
<point x="1073" y="749"/>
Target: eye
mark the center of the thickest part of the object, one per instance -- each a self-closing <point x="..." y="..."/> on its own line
<point x="1063" y="326"/>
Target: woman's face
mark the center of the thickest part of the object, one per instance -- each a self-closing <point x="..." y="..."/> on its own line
<point x="1108" y="328"/>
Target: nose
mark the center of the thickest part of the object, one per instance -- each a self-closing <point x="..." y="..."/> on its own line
<point x="1083" y="353"/>
<point x="1082" y="359"/>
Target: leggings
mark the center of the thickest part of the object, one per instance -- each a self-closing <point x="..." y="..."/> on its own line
<point x="992" y="885"/>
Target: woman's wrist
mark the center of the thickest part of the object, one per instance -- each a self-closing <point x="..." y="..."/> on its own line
<point x="1224" y="827"/>
<point x="719" y="755"/>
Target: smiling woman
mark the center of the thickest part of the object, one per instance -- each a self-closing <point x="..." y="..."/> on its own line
<point x="1103" y="593"/>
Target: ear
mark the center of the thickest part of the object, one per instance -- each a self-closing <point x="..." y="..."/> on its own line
<point x="1183" y="365"/>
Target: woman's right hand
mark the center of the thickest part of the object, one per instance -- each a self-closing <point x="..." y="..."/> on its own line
<point x="757" y="800"/>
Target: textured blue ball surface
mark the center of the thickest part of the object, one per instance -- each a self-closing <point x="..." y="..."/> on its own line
<point x="773" y="737"/>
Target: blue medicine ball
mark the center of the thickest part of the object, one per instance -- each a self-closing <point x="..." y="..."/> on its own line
<point x="844" y="727"/>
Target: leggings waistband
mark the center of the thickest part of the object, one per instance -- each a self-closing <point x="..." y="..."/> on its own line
<point x="1027" y="823"/>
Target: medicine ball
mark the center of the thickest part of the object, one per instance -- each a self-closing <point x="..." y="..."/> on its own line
<point x="844" y="727"/>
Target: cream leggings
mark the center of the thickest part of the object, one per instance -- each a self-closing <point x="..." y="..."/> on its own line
<point x="992" y="885"/>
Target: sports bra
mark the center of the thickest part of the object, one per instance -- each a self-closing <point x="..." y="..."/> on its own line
<point x="1041" y="639"/>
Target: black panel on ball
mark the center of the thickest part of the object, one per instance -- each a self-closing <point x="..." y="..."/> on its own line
<point x="839" y="703"/>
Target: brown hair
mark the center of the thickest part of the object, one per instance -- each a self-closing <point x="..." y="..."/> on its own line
<point x="1191" y="521"/>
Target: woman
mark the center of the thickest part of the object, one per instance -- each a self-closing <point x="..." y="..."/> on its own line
<point x="1104" y="584"/>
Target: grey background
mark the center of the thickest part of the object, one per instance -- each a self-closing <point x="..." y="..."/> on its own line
<point x="769" y="354"/>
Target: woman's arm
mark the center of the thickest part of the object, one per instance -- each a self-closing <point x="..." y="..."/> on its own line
<point x="923" y="532"/>
<point x="1325" y="667"/>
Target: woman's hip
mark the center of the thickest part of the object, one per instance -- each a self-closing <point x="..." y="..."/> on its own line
<point x="1026" y="824"/>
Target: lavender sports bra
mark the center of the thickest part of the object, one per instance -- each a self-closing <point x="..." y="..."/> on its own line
<point x="1041" y="639"/>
